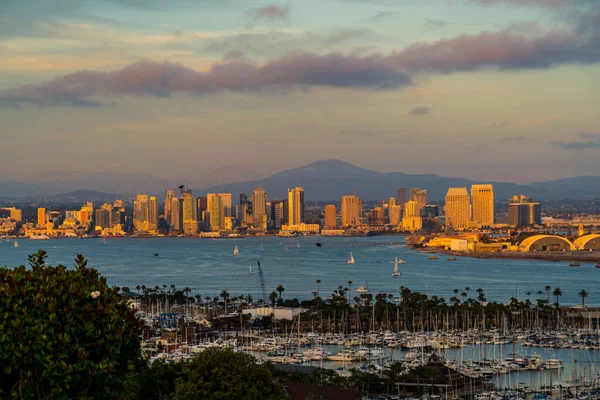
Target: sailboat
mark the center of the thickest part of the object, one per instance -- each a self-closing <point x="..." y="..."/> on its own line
<point x="236" y="251"/>
<point x="351" y="260"/>
<point x="396" y="272"/>
<point x="286" y="249"/>
<point x="16" y="243"/>
<point x="298" y="244"/>
<point x="104" y="240"/>
<point x="251" y="272"/>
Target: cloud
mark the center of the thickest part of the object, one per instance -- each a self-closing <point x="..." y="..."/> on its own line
<point x="586" y="140"/>
<point x="417" y="111"/>
<point x="432" y="23"/>
<point x="271" y="12"/>
<point x="513" y="139"/>
<point x="534" y="3"/>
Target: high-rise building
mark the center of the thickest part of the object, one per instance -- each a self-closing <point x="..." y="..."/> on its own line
<point x="295" y="206"/>
<point x="259" y="208"/>
<point x="141" y="212"/>
<point x="375" y="216"/>
<point x="431" y="211"/>
<point x="421" y="199"/>
<point x="169" y="195"/>
<point x="482" y="200"/>
<point x="395" y="214"/>
<point x="201" y="206"/>
<point x="412" y="209"/>
<point x="102" y="219"/>
<point x="175" y="221"/>
<point x="277" y="213"/>
<point x="216" y="211"/>
<point x="523" y="211"/>
<point x="458" y="208"/>
<point x="413" y="193"/>
<point x="41" y="216"/>
<point x="227" y="203"/>
<point x="401" y="198"/>
<point x="153" y="214"/>
<point x="189" y="212"/>
<point x="351" y="211"/>
<point x="330" y="216"/>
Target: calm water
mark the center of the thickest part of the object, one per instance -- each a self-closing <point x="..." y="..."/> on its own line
<point x="208" y="266"/>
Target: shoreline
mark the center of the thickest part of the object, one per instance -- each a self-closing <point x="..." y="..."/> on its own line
<point x="557" y="257"/>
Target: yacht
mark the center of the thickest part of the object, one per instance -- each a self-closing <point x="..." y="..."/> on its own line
<point x="16" y="243"/>
<point x="361" y="289"/>
<point x="553" y="363"/>
<point x="598" y="265"/>
<point x="575" y="264"/>
<point x="351" y="260"/>
<point x="451" y="258"/>
<point x="396" y="272"/>
<point x="433" y="257"/>
<point x="343" y="355"/>
<point x="39" y="237"/>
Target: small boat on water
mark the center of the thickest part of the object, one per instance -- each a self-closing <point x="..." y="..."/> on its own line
<point x="351" y="260"/>
<point x="433" y="257"/>
<point x="401" y="261"/>
<point x="318" y="244"/>
<point x="39" y="237"/>
<point x="251" y="272"/>
<point x="236" y="251"/>
<point x="298" y="244"/>
<point x="361" y="289"/>
<point x="451" y="258"/>
<point x="16" y="243"/>
<point x="396" y="272"/>
<point x="575" y="264"/>
<point x="598" y="265"/>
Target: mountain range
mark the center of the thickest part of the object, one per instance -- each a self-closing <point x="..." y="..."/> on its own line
<point x="322" y="181"/>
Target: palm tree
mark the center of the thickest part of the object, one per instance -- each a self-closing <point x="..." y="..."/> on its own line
<point x="583" y="294"/>
<point x="138" y="287"/>
<point x="225" y="296"/>
<point x="280" y="289"/>
<point x="528" y="294"/>
<point x="557" y="293"/>
<point x="350" y="286"/>
<point x="539" y="293"/>
<point x="273" y="297"/>
<point x="547" y="289"/>
<point x="318" y="284"/>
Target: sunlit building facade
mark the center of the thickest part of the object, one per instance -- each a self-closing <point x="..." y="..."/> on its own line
<point x="482" y="200"/>
<point x="458" y="208"/>
<point x="352" y="210"/>
<point x="295" y="206"/>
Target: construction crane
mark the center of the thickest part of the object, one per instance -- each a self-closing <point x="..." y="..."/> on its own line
<point x="262" y="284"/>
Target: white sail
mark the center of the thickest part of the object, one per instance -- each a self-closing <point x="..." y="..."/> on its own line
<point x="251" y="272"/>
<point x="396" y="272"/>
<point x="298" y="244"/>
<point x="16" y="243"/>
<point x="104" y="240"/>
<point x="236" y="251"/>
<point x="351" y="260"/>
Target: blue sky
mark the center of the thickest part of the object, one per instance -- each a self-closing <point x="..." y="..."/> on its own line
<point x="483" y="89"/>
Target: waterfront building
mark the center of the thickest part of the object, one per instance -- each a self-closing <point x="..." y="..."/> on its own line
<point x="102" y="219"/>
<point x="227" y="204"/>
<point x="412" y="209"/>
<point x="482" y="199"/>
<point x="352" y="209"/>
<point x="295" y="206"/>
<point x="41" y="216"/>
<point x="201" y="206"/>
<point x="523" y="211"/>
<point x="216" y="211"/>
<point x="330" y="216"/>
<point x="412" y="193"/>
<point x="169" y="196"/>
<point x="259" y="208"/>
<point x="301" y="228"/>
<point x="431" y="211"/>
<point x="175" y="214"/>
<point x="395" y="214"/>
<point x="277" y="213"/>
<point x="15" y="214"/>
<point x="375" y="217"/>
<point x="458" y="208"/>
<point x="189" y="213"/>
<point x="412" y="224"/>
<point x="401" y="198"/>
<point x="141" y="213"/>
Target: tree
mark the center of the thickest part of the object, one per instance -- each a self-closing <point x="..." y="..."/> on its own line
<point x="557" y="293"/>
<point x="280" y="289"/>
<point x="225" y="374"/>
<point x="547" y="289"/>
<point x="273" y="298"/>
<point x="583" y="294"/>
<point x="65" y="334"/>
<point x="318" y="285"/>
<point x="225" y="296"/>
<point x="157" y="379"/>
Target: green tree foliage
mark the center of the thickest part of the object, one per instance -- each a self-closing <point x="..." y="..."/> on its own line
<point x="157" y="380"/>
<point x="225" y="374"/>
<point x="64" y="334"/>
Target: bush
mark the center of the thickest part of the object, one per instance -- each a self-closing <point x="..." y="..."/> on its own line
<point x="64" y="334"/>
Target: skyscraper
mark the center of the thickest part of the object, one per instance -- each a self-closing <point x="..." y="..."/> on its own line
<point x="523" y="211"/>
<point x="394" y="214"/>
<point x="175" y="220"/>
<point x="189" y="213"/>
<point x="41" y="216"/>
<point x="216" y="212"/>
<point x="458" y="208"/>
<point x="421" y="199"/>
<point x="169" y="196"/>
<point x="277" y="213"/>
<point x="401" y="198"/>
<point x="412" y="209"/>
<point x="351" y="211"/>
<point x="295" y="206"/>
<point x="413" y="193"/>
<point x="141" y="213"/>
<point x="153" y="214"/>
<point x="227" y="203"/>
<point x="259" y="208"/>
<point x="330" y="216"/>
<point x="482" y="200"/>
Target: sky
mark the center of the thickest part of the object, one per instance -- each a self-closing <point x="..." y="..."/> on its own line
<point x="502" y="90"/>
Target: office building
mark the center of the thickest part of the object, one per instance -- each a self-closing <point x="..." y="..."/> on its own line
<point x="189" y="213"/>
<point x="431" y="211"/>
<point x="175" y="214"/>
<point x="141" y="213"/>
<point x="153" y="214"/>
<point x="330" y="216"/>
<point x="169" y="196"/>
<point x="295" y="206"/>
<point x="458" y="208"/>
<point x="351" y="211"/>
<point x="41" y="216"/>
<point x="394" y="214"/>
<point x="413" y="193"/>
<point x="259" y="209"/>
<point x="277" y="218"/>
<point x="482" y="200"/>
<point x="412" y="209"/>
<point x="201" y="206"/>
<point x="421" y="200"/>
<point x="401" y="198"/>
<point x="216" y="212"/>
<point x="523" y="211"/>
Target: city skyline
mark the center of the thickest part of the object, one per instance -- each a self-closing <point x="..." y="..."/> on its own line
<point x="492" y="90"/>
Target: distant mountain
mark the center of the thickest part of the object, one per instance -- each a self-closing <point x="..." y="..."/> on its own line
<point x="79" y="196"/>
<point x="571" y="188"/>
<point x="331" y="179"/>
<point x="15" y="189"/>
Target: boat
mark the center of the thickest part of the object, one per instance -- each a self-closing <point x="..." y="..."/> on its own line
<point x="343" y="355"/>
<point x="598" y="265"/>
<point x="433" y="257"/>
<point x="351" y="260"/>
<point x="318" y="244"/>
<point x="103" y="240"/>
<point x="286" y="248"/>
<point x="451" y="258"/>
<point x="39" y="237"/>
<point x="298" y="244"/>
<point x="361" y="289"/>
<point x="16" y="243"/>
<point x="236" y="251"/>
<point x="396" y="272"/>
<point x="574" y="264"/>
<point x="251" y="272"/>
<point x="553" y="363"/>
